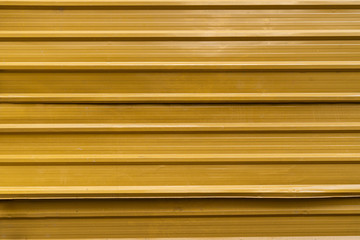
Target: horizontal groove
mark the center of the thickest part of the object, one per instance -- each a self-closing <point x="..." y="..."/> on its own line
<point x="34" y="159"/>
<point x="313" y="237"/>
<point x="181" y="127"/>
<point x="182" y="34"/>
<point x="259" y="238"/>
<point x="204" y="191"/>
<point x="177" y="3"/>
<point x="255" y="65"/>
<point x="170" y="207"/>
<point x="176" y="97"/>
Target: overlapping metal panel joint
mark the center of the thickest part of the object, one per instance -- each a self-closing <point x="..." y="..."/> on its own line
<point x="179" y="118"/>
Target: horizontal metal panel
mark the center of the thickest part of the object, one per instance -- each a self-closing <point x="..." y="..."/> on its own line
<point x="179" y="113"/>
<point x="171" y="207"/>
<point x="62" y="117"/>
<point x="273" y="22"/>
<point x="181" y="227"/>
<point x="81" y="219"/>
<point x="177" y="23"/>
<point x="168" y="51"/>
<point x="180" y="54"/>
<point x="218" y="150"/>
<point x="177" y="86"/>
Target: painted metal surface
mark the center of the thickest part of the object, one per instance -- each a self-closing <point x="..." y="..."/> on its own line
<point x="213" y="102"/>
<point x="173" y="218"/>
<point x="179" y="150"/>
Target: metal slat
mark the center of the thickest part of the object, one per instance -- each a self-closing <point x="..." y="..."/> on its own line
<point x="178" y="3"/>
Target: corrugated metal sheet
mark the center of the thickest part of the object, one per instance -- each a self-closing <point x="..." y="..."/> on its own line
<point x="221" y="218"/>
<point x="201" y="100"/>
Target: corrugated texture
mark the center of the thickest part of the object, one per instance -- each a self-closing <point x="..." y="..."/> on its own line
<point x="179" y="51"/>
<point x="94" y="219"/>
<point x="211" y="102"/>
<point x="179" y="150"/>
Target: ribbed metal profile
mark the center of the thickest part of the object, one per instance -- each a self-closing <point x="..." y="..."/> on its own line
<point x="179" y="119"/>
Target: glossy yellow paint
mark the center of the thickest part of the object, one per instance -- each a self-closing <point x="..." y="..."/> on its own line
<point x="179" y="118"/>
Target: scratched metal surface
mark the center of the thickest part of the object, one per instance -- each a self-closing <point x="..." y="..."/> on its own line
<point x="107" y="105"/>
